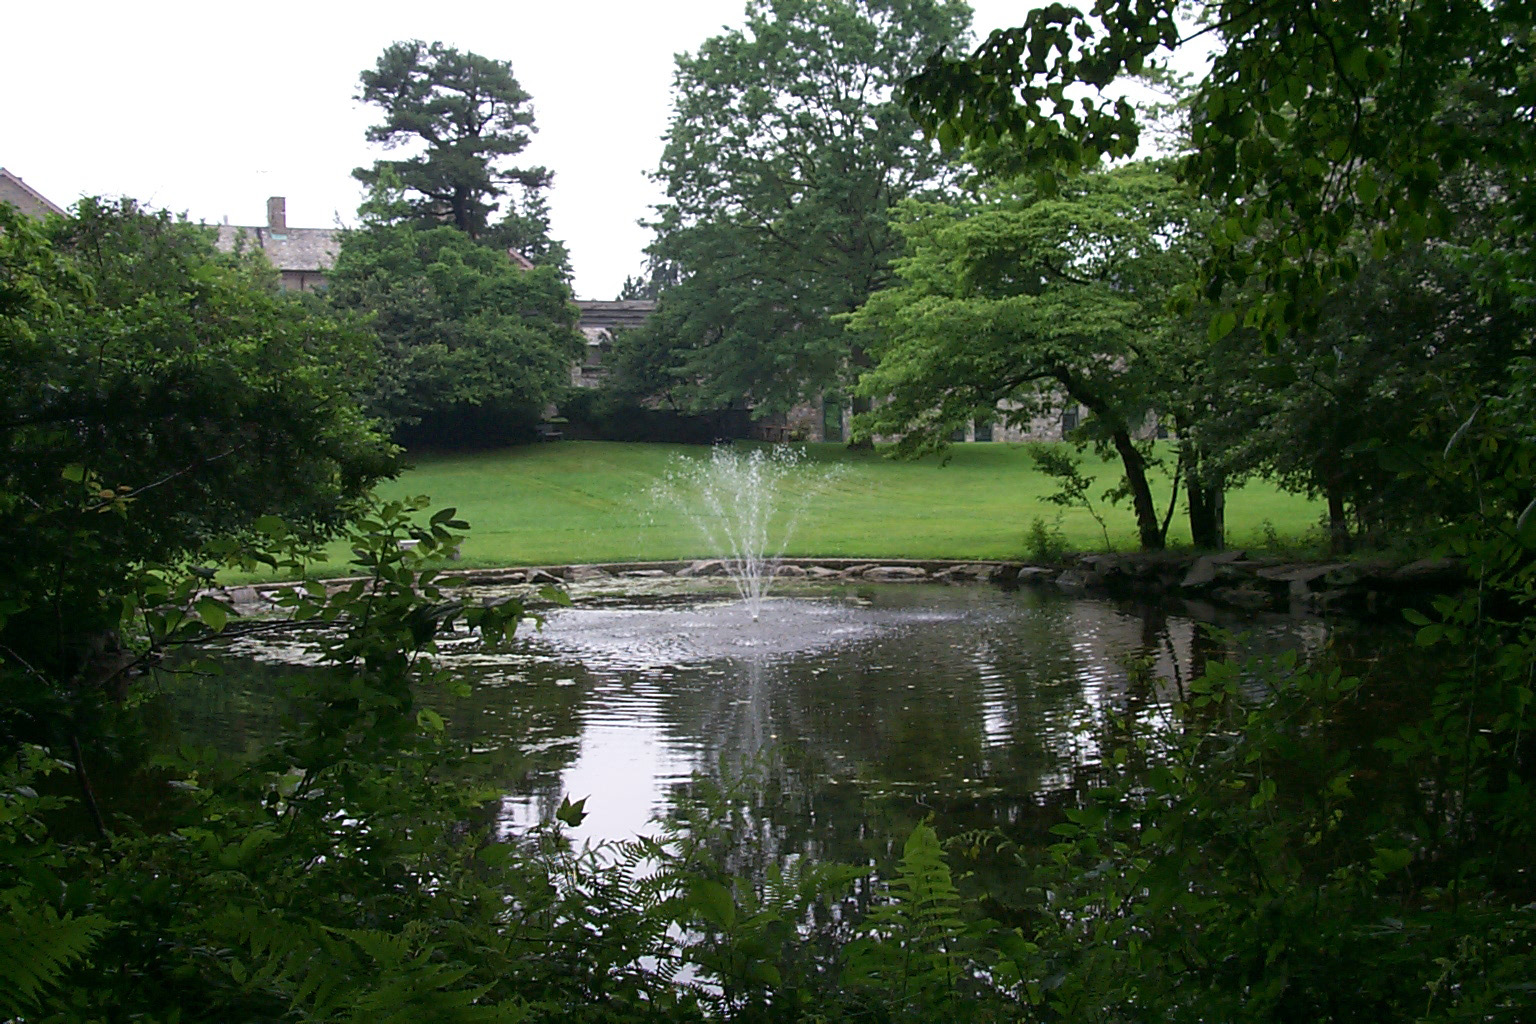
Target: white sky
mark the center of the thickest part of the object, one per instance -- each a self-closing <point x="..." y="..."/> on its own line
<point x="208" y="108"/>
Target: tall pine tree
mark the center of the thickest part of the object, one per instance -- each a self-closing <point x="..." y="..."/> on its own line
<point x="469" y="115"/>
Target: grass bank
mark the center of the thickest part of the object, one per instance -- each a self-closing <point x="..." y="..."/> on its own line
<point x="593" y="501"/>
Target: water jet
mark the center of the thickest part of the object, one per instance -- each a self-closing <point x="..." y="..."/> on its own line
<point x="746" y="505"/>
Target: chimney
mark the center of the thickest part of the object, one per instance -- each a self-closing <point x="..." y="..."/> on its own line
<point x="277" y="214"/>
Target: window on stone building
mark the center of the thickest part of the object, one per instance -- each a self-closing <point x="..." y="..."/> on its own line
<point x="983" y="430"/>
<point x="1069" y="419"/>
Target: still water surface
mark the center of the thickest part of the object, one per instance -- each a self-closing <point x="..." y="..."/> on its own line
<point x="860" y="710"/>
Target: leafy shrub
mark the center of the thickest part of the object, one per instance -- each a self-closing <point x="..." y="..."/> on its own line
<point x="1045" y="542"/>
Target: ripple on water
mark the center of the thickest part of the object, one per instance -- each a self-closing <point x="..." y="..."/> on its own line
<point x="714" y="630"/>
<point x="926" y="696"/>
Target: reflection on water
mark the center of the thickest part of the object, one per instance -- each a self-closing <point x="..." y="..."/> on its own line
<point x="867" y="707"/>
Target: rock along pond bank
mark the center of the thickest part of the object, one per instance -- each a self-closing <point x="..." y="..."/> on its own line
<point x="1228" y="578"/>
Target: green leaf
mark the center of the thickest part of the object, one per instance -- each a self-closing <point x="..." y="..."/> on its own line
<point x="713" y="902"/>
<point x="765" y="974"/>
<point x="1366" y="187"/>
<point x="572" y="814"/>
<point x="213" y="612"/>
<point x="555" y="595"/>
<point x="1222" y="324"/>
<point x="272" y="526"/>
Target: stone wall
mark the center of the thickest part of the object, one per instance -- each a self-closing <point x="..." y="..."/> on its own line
<point x="807" y="422"/>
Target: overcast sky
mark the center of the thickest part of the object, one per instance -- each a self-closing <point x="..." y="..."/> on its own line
<point x="208" y="108"/>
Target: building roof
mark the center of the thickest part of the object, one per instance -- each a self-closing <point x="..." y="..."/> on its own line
<point x="626" y="313"/>
<point x="24" y="197"/>
<point x="308" y="249"/>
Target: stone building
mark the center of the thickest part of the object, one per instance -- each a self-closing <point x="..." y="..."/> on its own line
<point x="827" y="419"/>
<point x="25" y="198"/>
<point x="302" y="256"/>
<point x="599" y="320"/>
<point x="831" y="420"/>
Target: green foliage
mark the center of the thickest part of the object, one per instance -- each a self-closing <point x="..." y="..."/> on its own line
<point x="782" y="164"/>
<point x="1022" y="300"/>
<point x="463" y="331"/>
<point x="160" y="398"/>
<point x="362" y="975"/>
<point x="326" y="877"/>
<point x="1074" y="489"/>
<point x="909" y="948"/>
<point x="175" y="376"/>
<point x="1240" y="859"/>
<point x="1045" y="542"/>
<point x="1406" y="351"/>
<point x="471" y="114"/>
<point x="1246" y="856"/>
<point x="1242" y="855"/>
<point x="38" y="944"/>
<point x="1345" y="118"/>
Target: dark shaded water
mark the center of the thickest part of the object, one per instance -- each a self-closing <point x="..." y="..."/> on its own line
<point x="861" y="709"/>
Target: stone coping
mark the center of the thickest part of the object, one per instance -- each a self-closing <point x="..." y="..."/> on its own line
<point x="1228" y="578"/>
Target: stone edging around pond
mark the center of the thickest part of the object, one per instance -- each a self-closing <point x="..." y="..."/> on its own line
<point x="1233" y="579"/>
<point x="1227" y="578"/>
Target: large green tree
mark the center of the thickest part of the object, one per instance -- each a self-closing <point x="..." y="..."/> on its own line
<point x="785" y="157"/>
<point x="141" y="358"/>
<point x="1022" y="301"/>
<point x="467" y="115"/>
<point x="1314" y="121"/>
<point x="160" y="398"/>
<point x="471" y="343"/>
<point x="1332" y="133"/>
<point x="1356" y="410"/>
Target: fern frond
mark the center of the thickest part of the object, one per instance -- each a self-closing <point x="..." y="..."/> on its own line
<point x="37" y="945"/>
<point x="910" y="944"/>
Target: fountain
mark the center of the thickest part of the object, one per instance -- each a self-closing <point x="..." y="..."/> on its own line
<point x="746" y="506"/>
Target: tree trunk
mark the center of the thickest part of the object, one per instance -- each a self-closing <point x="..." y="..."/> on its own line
<point x="1207" y="508"/>
<point x="1147" y="526"/>
<point x="1141" y="493"/>
<point x="1338" y="519"/>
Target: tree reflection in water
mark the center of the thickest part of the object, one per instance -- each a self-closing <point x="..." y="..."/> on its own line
<point x="861" y="710"/>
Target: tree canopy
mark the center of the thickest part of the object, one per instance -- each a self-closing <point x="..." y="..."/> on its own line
<point x="468" y="115"/>
<point x="1021" y="301"/>
<point x="1314" y="122"/>
<point x="139" y="357"/>
<point x="161" y="400"/>
<point x="783" y="161"/>
<point x="466" y="336"/>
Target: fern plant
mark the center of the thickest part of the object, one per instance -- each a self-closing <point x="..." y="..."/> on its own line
<point x="38" y="944"/>
<point x="910" y="949"/>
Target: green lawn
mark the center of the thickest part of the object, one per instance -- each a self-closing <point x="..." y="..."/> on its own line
<point x="589" y="501"/>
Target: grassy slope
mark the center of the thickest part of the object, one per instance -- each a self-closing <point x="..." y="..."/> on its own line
<point x="583" y="501"/>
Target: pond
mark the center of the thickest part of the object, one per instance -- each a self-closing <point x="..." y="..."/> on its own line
<point x="859" y="710"/>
